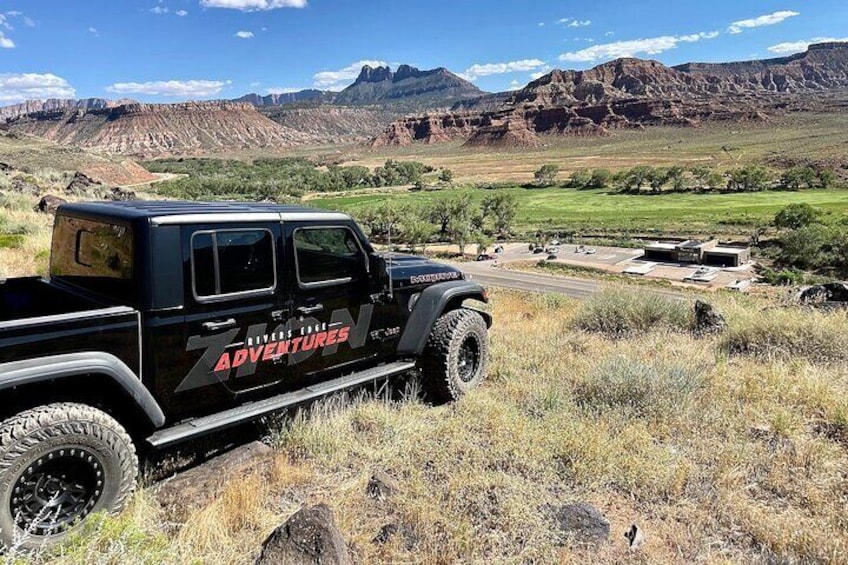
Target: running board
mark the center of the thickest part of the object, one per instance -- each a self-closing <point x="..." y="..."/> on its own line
<point x="259" y="408"/>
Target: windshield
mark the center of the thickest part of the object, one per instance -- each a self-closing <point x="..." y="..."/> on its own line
<point x="97" y="256"/>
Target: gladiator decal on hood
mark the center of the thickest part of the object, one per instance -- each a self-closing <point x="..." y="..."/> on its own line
<point x="291" y="343"/>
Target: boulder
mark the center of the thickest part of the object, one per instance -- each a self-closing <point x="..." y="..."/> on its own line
<point x="81" y="185"/>
<point x="381" y="486"/>
<point x="48" y="204"/>
<point x="836" y="291"/>
<point x="309" y="537"/>
<point x="581" y="522"/>
<point x="635" y="537"/>
<point x="120" y="194"/>
<point x="707" y="318"/>
<point x="5" y="167"/>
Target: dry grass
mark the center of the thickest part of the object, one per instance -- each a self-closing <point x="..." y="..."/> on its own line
<point x="719" y="458"/>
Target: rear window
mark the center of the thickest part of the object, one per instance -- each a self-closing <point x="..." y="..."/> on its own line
<point x="97" y="256"/>
<point x="327" y="256"/>
<point x="232" y="262"/>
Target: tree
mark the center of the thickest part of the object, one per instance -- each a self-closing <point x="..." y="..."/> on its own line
<point x="826" y="178"/>
<point x="750" y="178"/>
<point x="600" y="178"/>
<point x="656" y="178"/>
<point x="715" y="180"/>
<point x="796" y="216"/>
<point x="385" y="220"/>
<point x="798" y="177"/>
<point x="581" y="178"/>
<point x="501" y="208"/>
<point x="637" y="176"/>
<point x="440" y="214"/>
<point x="461" y="224"/>
<point x="546" y="175"/>
<point x="446" y="176"/>
<point x="674" y="175"/>
<point x="701" y="174"/>
<point x="417" y="232"/>
<point x="482" y="241"/>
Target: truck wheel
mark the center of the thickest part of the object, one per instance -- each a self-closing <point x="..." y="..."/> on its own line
<point x="456" y="358"/>
<point x="58" y="464"/>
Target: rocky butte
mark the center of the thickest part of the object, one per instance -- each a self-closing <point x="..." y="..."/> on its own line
<point x="627" y="93"/>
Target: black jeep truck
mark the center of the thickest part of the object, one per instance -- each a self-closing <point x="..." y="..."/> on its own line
<point x="164" y="321"/>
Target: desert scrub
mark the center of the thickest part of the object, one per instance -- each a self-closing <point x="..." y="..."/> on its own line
<point x="621" y="312"/>
<point x="787" y="333"/>
<point x="641" y="387"/>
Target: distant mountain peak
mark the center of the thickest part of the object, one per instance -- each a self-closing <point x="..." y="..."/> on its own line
<point x="435" y="87"/>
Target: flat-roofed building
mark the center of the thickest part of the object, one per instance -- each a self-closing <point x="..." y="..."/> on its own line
<point x="699" y="252"/>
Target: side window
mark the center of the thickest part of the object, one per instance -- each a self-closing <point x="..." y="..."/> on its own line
<point x="327" y="255"/>
<point x="232" y="262"/>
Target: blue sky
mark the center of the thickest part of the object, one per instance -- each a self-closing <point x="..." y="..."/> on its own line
<point x="170" y="50"/>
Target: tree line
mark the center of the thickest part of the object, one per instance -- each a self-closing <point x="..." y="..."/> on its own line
<point x="811" y="241"/>
<point x="460" y="220"/>
<point x="276" y="178"/>
<point x="641" y="178"/>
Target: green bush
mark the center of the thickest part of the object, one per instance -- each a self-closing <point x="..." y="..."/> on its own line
<point x="642" y="388"/>
<point x="624" y="312"/>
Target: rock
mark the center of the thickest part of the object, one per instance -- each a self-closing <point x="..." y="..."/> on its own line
<point x="389" y="531"/>
<point x="381" y="486"/>
<point x="5" y="167"/>
<point x="48" y="204"/>
<point x="582" y="522"/>
<point x="707" y="318"/>
<point x="196" y="487"/>
<point x="310" y="536"/>
<point x="635" y="537"/>
<point x="121" y="194"/>
<point x="81" y="185"/>
<point x="829" y="292"/>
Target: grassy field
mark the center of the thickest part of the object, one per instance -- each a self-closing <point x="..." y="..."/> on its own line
<point x="721" y="448"/>
<point x="569" y="209"/>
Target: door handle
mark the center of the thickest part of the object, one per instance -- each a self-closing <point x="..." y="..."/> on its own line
<point x="306" y="310"/>
<point x="278" y="315"/>
<point x="222" y="325"/>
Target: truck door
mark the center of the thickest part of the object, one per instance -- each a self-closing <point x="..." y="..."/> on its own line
<point x="232" y="307"/>
<point x="333" y="314"/>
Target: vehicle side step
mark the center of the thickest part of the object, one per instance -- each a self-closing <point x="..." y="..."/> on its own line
<point x="259" y="408"/>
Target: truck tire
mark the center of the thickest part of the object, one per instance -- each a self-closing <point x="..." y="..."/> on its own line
<point x="58" y="464"/>
<point x="456" y="357"/>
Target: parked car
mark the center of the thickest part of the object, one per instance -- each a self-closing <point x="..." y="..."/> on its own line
<point x="164" y="321"/>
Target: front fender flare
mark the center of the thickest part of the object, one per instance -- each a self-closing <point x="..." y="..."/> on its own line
<point x="31" y="371"/>
<point x="432" y="303"/>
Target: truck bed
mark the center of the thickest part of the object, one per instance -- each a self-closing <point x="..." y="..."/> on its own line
<point x="32" y="297"/>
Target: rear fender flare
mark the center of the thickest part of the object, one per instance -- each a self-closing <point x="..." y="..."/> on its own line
<point x="42" y="369"/>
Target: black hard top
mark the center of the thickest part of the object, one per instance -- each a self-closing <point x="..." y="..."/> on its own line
<point x="138" y="209"/>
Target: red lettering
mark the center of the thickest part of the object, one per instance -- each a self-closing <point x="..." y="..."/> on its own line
<point x="331" y="337"/>
<point x="256" y="353"/>
<point x="239" y="358"/>
<point x="320" y="339"/>
<point x="223" y="363"/>
<point x="308" y="342"/>
<point x="343" y="334"/>
<point x="295" y="343"/>
<point x="282" y="348"/>
<point x="269" y="351"/>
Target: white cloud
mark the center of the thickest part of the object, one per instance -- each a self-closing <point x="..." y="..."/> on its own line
<point x="181" y="13"/>
<point x="580" y="23"/>
<point x="29" y="22"/>
<point x="5" y="42"/>
<point x="514" y="85"/>
<point x="609" y="33"/>
<point x="4" y="22"/>
<point x="339" y="79"/>
<point x="159" y="9"/>
<point x="253" y="5"/>
<point x="631" y="48"/>
<point x="244" y="34"/>
<point x="541" y="24"/>
<point x="541" y="72"/>
<point x="175" y="88"/>
<point x="92" y="30"/>
<point x="487" y="69"/>
<point x="564" y="20"/>
<point x="16" y="88"/>
<point x="798" y="46"/>
<point x="759" y="21"/>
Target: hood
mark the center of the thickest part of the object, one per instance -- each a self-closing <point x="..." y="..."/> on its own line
<point x="411" y="270"/>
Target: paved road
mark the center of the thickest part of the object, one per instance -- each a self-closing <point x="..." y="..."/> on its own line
<point x="484" y="273"/>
